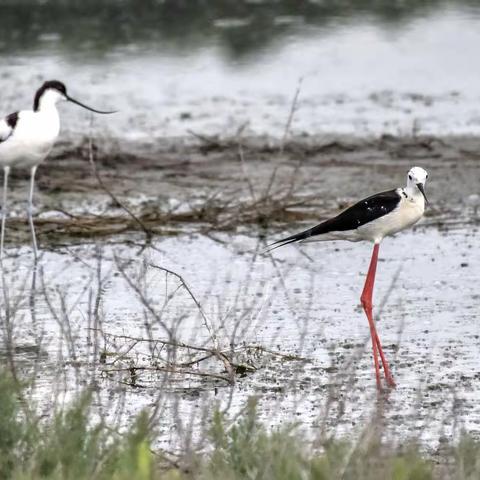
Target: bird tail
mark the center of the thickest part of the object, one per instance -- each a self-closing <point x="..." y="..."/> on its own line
<point x="298" y="237"/>
<point x="321" y="229"/>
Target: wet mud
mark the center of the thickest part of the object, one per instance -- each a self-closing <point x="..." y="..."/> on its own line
<point x="210" y="184"/>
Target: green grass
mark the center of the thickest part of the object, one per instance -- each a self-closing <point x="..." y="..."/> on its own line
<point x="72" y="446"/>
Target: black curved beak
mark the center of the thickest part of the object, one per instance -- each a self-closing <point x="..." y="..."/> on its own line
<point x="70" y="99"/>
<point x="422" y="190"/>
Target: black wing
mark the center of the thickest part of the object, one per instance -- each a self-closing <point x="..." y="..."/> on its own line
<point x="7" y="126"/>
<point x="362" y="212"/>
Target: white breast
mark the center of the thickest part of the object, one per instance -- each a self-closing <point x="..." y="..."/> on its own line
<point x="408" y="212"/>
<point x="32" y="138"/>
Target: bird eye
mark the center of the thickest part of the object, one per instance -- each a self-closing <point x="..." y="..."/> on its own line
<point x="409" y="177"/>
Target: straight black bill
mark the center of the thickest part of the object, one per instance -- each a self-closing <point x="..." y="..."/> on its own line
<point x="70" y="99"/>
<point x="422" y="190"/>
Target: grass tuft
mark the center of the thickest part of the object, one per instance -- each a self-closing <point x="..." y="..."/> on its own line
<point x="72" y="445"/>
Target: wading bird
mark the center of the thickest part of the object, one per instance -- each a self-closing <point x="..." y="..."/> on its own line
<point x="26" y="139"/>
<point x="372" y="219"/>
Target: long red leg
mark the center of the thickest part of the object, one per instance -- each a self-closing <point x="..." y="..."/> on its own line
<point x="386" y="368"/>
<point x="366" y="300"/>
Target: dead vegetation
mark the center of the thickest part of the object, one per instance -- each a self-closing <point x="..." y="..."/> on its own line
<point x="157" y="352"/>
<point x="231" y="184"/>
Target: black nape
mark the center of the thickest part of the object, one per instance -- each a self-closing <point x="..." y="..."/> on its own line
<point x="50" y="85"/>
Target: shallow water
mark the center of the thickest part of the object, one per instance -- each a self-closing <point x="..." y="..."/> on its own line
<point x="292" y="303"/>
<point x="365" y="71"/>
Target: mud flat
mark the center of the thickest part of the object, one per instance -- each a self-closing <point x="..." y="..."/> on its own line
<point x="205" y="184"/>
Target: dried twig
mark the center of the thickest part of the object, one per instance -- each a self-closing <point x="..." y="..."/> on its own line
<point x="206" y="322"/>
<point x="148" y="232"/>
<point x="174" y="369"/>
<point x="293" y="108"/>
<point x="210" y="141"/>
<point x="220" y="355"/>
<point x="142" y="298"/>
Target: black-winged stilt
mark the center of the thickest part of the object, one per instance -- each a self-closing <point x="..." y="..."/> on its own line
<point x="372" y="219"/>
<point x="26" y="138"/>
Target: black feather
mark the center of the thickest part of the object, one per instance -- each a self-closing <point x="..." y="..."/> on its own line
<point x="362" y="212"/>
<point x="11" y="120"/>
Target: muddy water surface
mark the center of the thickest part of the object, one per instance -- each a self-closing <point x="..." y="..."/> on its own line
<point x="301" y="301"/>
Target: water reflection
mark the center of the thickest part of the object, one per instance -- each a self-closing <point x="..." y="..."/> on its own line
<point x="240" y="27"/>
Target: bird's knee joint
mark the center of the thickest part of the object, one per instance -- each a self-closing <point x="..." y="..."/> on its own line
<point x="366" y="303"/>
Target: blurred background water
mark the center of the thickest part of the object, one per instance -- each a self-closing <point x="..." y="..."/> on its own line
<point x="368" y="67"/>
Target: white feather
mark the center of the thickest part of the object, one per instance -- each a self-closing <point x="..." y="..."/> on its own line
<point x="32" y="138"/>
<point x="408" y="212"/>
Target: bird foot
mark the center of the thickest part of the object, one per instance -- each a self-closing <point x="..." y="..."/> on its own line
<point x="390" y="381"/>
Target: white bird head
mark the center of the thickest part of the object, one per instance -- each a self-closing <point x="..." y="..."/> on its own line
<point x="53" y="91"/>
<point x="416" y="179"/>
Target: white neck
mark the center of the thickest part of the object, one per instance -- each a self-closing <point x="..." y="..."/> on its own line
<point x="414" y="193"/>
<point x="49" y="100"/>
